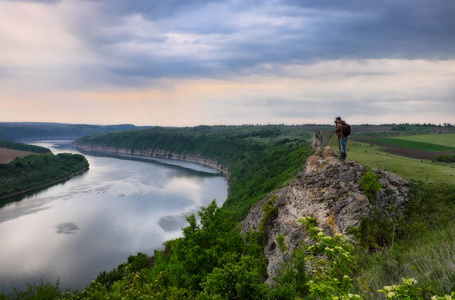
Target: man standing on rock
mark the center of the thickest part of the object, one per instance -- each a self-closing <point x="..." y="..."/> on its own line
<point x="343" y="133"/>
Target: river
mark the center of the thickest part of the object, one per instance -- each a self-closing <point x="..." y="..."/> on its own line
<point x="92" y="222"/>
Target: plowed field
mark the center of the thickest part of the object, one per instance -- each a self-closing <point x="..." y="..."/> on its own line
<point x="8" y="155"/>
<point x="413" y="152"/>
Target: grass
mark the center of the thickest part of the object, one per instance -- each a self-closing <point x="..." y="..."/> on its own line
<point x="408" y="168"/>
<point x="430" y="259"/>
<point x="438" y="139"/>
<point x="418" y="145"/>
<point x="425" y="249"/>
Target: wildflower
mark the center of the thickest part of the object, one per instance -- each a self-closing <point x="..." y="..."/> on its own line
<point x="320" y="233"/>
<point x="434" y="298"/>
<point x="409" y="281"/>
<point x="350" y="296"/>
<point x="448" y="297"/>
<point x="345" y="277"/>
<point x="390" y="294"/>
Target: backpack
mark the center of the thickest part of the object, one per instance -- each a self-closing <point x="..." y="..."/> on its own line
<point x="346" y="129"/>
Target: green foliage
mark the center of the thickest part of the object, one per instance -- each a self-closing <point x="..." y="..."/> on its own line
<point x="447" y="158"/>
<point x="281" y="244"/>
<point x="332" y="260"/>
<point x="214" y="244"/>
<point x="135" y="263"/>
<point x="43" y="291"/>
<point x="291" y="281"/>
<point x="239" y="279"/>
<point x="34" y="171"/>
<point x="369" y="184"/>
<point x="375" y="232"/>
<point x="407" y="290"/>
<point x="426" y="232"/>
<point x="270" y="213"/>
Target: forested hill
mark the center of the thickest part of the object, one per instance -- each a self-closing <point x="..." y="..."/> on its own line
<point x="23" y="147"/>
<point x="38" y="170"/>
<point x="259" y="159"/>
<point x="31" y="131"/>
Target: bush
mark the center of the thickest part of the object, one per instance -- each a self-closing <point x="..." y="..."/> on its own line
<point x="447" y="158"/>
<point x="369" y="184"/>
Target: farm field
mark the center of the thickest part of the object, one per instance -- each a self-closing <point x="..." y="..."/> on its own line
<point x="437" y="139"/>
<point x="428" y="144"/>
<point x="410" y="168"/>
<point x="415" y="146"/>
<point x="8" y="155"/>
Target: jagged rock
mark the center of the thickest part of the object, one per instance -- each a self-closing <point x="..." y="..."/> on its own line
<point x="320" y="138"/>
<point x="328" y="189"/>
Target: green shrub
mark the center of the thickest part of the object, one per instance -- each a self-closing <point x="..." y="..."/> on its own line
<point x="447" y="158"/>
<point x="369" y="184"/>
<point x="332" y="260"/>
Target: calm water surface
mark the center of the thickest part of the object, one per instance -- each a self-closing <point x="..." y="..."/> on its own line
<point x="94" y="221"/>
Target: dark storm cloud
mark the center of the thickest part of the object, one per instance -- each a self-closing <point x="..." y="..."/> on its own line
<point x="291" y="32"/>
<point x="229" y="36"/>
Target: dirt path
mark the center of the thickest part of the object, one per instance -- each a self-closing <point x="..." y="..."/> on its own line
<point x="403" y="151"/>
<point x="8" y="155"/>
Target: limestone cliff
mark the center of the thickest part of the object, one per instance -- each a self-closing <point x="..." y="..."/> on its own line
<point x="196" y="158"/>
<point x="328" y="189"/>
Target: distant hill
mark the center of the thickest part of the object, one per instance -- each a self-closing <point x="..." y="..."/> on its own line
<point x="29" y="131"/>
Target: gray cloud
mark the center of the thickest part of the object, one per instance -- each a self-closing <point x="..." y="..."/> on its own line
<point x="234" y="36"/>
<point x="284" y="58"/>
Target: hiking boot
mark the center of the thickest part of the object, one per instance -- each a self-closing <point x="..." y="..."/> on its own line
<point x="343" y="156"/>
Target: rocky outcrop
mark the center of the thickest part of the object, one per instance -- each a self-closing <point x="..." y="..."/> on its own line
<point x="196" y="158"/>
<point x="328" y="189"/>
<point x="320" y="138"/>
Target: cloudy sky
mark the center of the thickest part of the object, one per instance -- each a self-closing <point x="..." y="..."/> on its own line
<point x="192" y="62"/>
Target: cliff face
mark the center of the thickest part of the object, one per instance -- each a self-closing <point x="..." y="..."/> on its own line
<point x="156" y="153"/>
<point x="328" y="189"/>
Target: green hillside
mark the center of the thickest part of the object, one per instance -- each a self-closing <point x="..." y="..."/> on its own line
<point x="404" y="255"/>
<point x="34" y="171"/>
<point x="12" y="131"/>
<point x="260" y="159"/>
<point x="23" y="147"/>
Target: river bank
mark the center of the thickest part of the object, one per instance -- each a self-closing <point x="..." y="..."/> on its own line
<point x="158" y="153"/>
<point x="45" y="185"/>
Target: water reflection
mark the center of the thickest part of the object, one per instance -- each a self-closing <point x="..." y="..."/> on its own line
<point x="67" y="228"/>
<point x="93" y="222"/>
